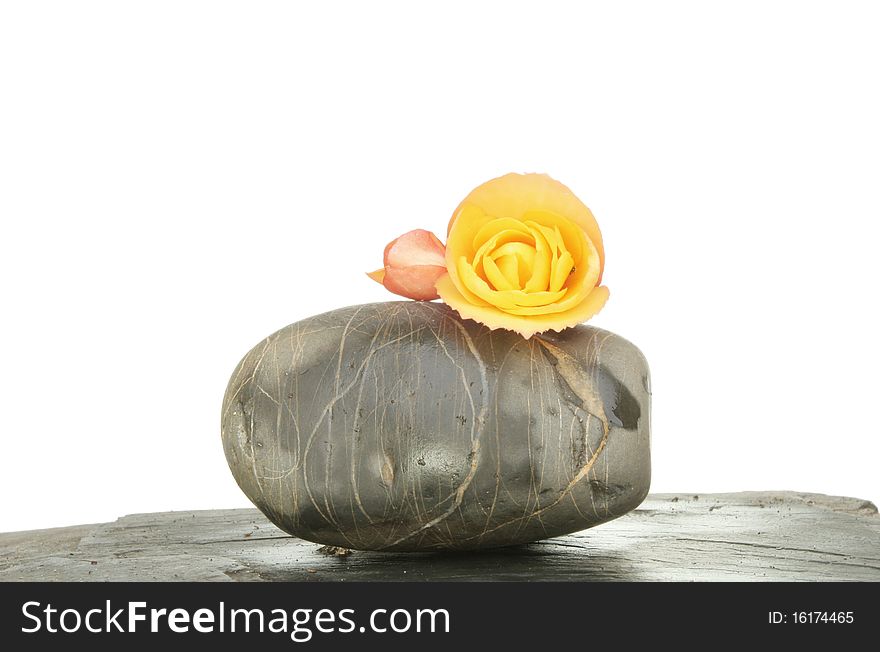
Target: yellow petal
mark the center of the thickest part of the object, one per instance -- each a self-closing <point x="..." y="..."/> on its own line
<point x="588" y="269"/>
<point x="504" y="299"/>
<point x="585" y="270"/>
<point x="495" y="276"/>
<point x="505" y="237"/>
<point x="561" y="271"/>
<point x="540" y="301"/>
<point x="540" y="278"/>
<point x="525" y="255"/>
<point x="514" y="194"/>
<point x="459" y="243"/>
<point x="572" y="236"/>
<point x="549" y="234"/>
<point x="496" y="226"/>
<point x="509" y="266"/>
<point x="524" y="325"/>
<point x="522" y="249"/>
<point x="478" y="287"/>
<point x="570" y="300"/>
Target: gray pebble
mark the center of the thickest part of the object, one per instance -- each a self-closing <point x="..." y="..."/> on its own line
<point x="402" y="426"/>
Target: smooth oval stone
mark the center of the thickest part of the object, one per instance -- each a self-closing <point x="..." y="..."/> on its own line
<point x="402" y="426"/>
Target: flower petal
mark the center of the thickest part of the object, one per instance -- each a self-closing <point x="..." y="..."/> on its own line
<point x="495" y="276"/>
<point x="461" y="241"/>
<point x="509" y="267"/>
<point x="512" y="195"/>
<point x="540" y="278"/>
<point x="413" y="263"/>
<point x="414" y="282"/>
<point x="524" y="325"/>
<point x="417" y="247"/>
<point x="524" y="255"/>
<point x="378" y="275"/>
<point x="561" y="271"/>
<point x="499" y="225"/>
<point x="505" y="299"/>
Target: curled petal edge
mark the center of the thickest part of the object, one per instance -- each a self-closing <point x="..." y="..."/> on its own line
<point x="527" y="326"/>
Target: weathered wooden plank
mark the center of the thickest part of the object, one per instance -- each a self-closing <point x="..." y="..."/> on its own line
<point x="743" y="536"/>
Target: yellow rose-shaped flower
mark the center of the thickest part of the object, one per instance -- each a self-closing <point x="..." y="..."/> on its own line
<point x="523" y="253"/>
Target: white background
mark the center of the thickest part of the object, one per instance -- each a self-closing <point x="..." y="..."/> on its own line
<point x="180" y="179"/>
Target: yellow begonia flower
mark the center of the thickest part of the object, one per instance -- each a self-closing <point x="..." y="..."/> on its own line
<point x="523" y="253"/>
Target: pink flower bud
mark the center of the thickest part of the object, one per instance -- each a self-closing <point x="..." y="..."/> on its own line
<point x="413" y="263"/>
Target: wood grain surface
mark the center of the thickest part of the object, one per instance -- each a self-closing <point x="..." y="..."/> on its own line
<point x="682" y="537"/>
